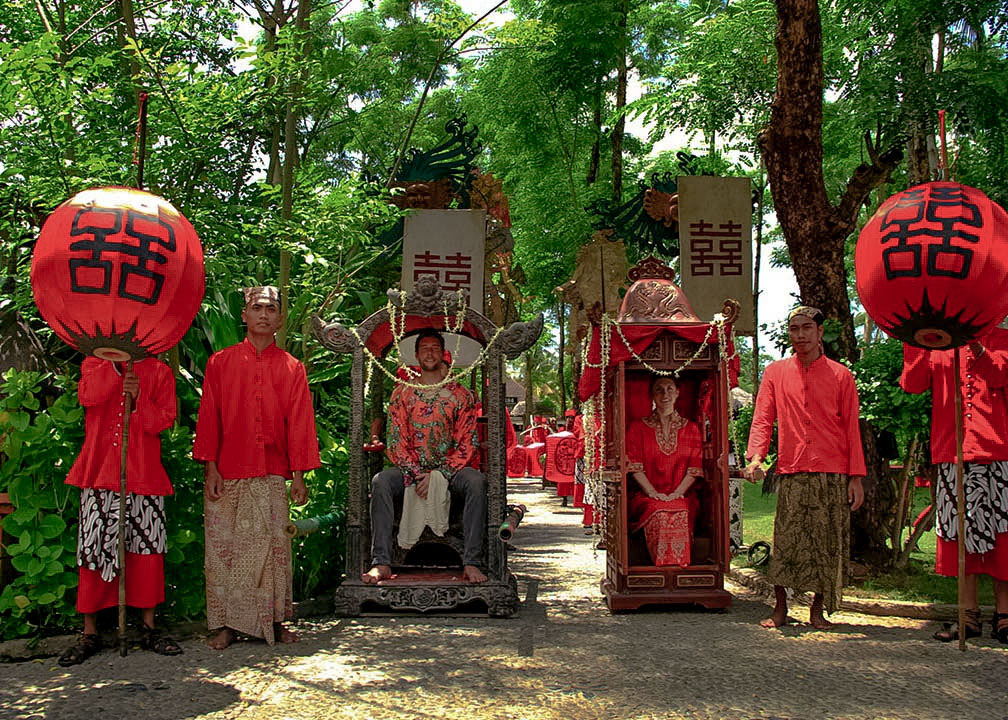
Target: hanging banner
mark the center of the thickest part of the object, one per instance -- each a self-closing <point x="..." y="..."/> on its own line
<point x="448" y="244"/>
<point x="715" y="245"/>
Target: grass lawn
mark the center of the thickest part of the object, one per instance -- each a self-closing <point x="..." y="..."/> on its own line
<point x="918" y="582"/>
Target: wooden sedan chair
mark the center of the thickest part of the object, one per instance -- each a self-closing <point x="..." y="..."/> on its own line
<point x="665" y="333"/>
<point x="428" y="576"/>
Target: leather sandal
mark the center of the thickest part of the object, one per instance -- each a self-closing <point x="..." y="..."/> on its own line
<point x="153" y="640"/>
<point x="999" y="627"/>
<point x="950" y="631"/>
<point x="85" y="647"/>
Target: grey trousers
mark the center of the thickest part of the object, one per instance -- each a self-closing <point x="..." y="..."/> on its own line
<point x="388" y="486"/>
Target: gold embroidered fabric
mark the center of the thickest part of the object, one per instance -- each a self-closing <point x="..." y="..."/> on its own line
<point x="248" y="556"/>
<point x="667" y="437"/>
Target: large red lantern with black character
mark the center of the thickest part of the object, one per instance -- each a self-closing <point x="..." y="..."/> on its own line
<point x="932" y="265"/>
<point x="118" y="273"/>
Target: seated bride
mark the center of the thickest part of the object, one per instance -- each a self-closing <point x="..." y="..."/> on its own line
<point x="664" y="451"/>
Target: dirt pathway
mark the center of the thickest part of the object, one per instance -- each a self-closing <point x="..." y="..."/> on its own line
<point x="564" y="656"/>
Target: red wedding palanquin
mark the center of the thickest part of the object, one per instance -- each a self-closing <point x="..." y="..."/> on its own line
<point x="658" y="333"/>
<point x="427" y="577"/>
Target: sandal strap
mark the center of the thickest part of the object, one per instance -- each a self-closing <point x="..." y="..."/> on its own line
<point x="86" y="646"/>
<point x="161" y="644"/>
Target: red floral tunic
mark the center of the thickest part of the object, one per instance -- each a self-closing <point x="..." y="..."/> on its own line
<point x="431" y="429"/>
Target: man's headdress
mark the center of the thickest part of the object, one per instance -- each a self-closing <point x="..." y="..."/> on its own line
<point x="812" y="313"/>
<point x="262" y="293"/>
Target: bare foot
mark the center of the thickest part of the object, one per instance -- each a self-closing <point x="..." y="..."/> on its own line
<point x="376" y="574"/>
<point x="472" y="574"/>
<point x="820" y="623"/>
<point x="221" y="639"/>
<point x="778" y="619"/>
<point x="284" y="634"/>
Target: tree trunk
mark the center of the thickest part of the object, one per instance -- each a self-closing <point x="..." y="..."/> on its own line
<point x="871" y="526"/>
<point x="922" y="156"/>
<point x="814" y="229"/>
<point x="756" y="286"/>
<point x="621" y="90"/>
<point x="290" y="159"/>
<point x="593" y="165"/>
<point x="563" y="386"/>
<point x="129" y="31"/>
<point x="529" y="394"/>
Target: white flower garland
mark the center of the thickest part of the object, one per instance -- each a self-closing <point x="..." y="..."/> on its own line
<point x="454" y="323"/>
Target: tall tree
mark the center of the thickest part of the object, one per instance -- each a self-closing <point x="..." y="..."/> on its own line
<point x="814" y="228"/>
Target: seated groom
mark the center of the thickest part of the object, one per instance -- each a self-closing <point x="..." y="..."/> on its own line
<point x="431" y="439"/>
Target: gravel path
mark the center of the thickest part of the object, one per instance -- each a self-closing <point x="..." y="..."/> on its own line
<point x="563" y="656"/>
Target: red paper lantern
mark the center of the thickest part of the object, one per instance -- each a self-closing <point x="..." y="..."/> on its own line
<point x="932" y="265"/>
<point x="118" y="273"/>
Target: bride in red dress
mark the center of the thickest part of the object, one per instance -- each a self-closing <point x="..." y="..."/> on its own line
<point x="664" y="451"/>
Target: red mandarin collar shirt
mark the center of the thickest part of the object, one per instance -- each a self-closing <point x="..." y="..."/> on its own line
<point x="985" y="410"/>
<point x="255" y="416"/>
<point x="101" y="394"/>
<point x="816" y="409"/>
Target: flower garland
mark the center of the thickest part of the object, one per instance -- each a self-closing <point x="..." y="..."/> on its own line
<point x="454" y="323"/>
<point x="595" y="442"/>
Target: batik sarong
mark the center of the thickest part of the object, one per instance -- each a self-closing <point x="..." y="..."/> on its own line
<point x="248" y="556"/>
<point x="811" y="543"/>
<point x="98" y="531"/>
<point x="985" y="487"/>
<point x="98" y="550"/>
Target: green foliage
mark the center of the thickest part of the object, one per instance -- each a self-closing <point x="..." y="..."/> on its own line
<point x="38" y="446"/>
<point x="185" y="585"/>
<point x="708" y="68"/>
<point x="883" y="402"/>
<point x="318" y="558"/>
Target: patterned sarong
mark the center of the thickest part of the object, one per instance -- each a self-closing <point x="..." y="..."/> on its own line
<point x="667" y="533"/>
<point x="98" y="531"/>
<point x="248" y="556"/>
<point x="986" y="490"/>
<point x="811" y="543"/>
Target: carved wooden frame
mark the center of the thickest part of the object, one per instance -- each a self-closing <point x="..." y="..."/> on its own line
<point x="428" y="299"/>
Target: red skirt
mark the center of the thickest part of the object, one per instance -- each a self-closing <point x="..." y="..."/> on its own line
<point x="993" y="563"/>
<point x="667" y="525"/>
<point x="668" y="536"/>
<point x="579" y="495"/>
<point x="145" y="586"/>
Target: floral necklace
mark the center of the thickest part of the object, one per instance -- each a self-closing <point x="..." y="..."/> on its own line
<point x="667" y="435"/>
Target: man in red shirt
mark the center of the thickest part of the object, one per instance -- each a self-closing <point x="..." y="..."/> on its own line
<point x="984" y="382"/>
<point x="255" y="430"/>
<point x="432" y="427"/>
<point x="820" y="463"/>
<point x="96" y="471"/>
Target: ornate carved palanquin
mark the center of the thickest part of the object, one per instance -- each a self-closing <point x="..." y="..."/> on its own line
<point x="434" y="587"/>
<point x="655" y="309"/>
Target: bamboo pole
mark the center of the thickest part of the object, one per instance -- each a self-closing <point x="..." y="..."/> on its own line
<point x="960" y="499"/>
<point x="121" y="545"/>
